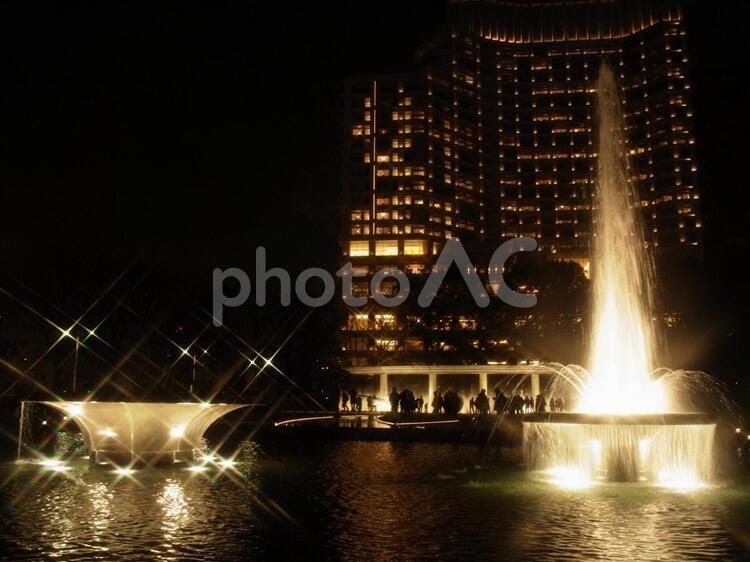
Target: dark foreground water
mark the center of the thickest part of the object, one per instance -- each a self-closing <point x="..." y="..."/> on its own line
<point x="359" y="501"/>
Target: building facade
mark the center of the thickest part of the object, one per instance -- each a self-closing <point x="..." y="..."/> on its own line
<point x="490" y="135"/>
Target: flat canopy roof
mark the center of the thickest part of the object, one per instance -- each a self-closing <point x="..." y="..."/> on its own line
<point x="539" y="368"/>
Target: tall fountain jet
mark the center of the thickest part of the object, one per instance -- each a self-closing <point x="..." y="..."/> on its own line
<point x="624" y="428"/>
<point x="623" y="352"/>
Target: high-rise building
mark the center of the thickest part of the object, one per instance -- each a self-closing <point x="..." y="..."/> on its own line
<point x="490" y="135"/>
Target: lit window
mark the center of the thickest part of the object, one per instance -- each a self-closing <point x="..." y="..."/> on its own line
<point x="385" y="321"/>
<point x="415" y="268"/>
<point x="386" y="345"/>
<point x="414" y="247"/>
<point x="386" y="248"/>
<point x="359" y="248"/>
<point x="357" y="322"/>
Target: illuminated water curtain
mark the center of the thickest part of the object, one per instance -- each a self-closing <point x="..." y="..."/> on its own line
<point x="125" y="433"/>
<point x="627" y="426"/>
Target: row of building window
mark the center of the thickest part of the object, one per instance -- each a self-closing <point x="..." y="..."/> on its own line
<point x="361" y="248"/>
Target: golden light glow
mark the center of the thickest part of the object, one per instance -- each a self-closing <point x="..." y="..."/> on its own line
<point x="124" y="471"/>
<point x="75" y="409"/>
<point x="226" y="463"/>
<point x="53" y="465"/>
<point x="680" y="480"/>
<point x="568" y="477"/>
<point x="177" y="432"/>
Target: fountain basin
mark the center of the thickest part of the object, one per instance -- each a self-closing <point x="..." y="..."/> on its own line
<point x="668" y="449"/>
<point x="125" y="433"/>
<point x="617" y="419"/>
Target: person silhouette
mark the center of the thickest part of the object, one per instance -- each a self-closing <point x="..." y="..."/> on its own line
<point x="541" y="403"/>
<point x="437" y="403"/>
<point x="394" y="399"/>
<point x="482" y="402"/>
<point x="345" y="401"/>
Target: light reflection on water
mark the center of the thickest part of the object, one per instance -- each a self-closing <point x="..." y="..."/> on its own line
<point x="359" y="500"/>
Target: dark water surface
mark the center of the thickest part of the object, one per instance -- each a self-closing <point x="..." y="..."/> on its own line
<point x="357" y="501"/>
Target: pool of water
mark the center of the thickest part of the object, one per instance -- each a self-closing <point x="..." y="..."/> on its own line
<point x="355" y="501"/>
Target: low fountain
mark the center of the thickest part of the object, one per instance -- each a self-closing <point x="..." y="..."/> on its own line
<point x="625" y="426"/>
<point x="126" y="433"/>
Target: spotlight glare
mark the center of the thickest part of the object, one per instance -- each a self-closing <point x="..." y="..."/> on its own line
<point x="75" y="409"/>
<point x="679" y="480"/>
<point x="177" y="431"/>
<point x="568" y="477"/>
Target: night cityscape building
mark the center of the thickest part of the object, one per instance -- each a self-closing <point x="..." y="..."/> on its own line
<point x="489" y="136"/>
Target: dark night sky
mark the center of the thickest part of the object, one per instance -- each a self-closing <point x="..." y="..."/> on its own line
<point x="192" y="133"/>
<point x="195" y="132"/>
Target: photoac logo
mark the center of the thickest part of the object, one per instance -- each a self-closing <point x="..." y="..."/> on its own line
<point x="453" y="253"/>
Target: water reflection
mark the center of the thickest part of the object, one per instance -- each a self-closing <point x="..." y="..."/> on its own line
<point x="91" y="513"/>
<point x="101" y="513"/>
<point x="175" y="513"/>
<point x="358" y="500"/>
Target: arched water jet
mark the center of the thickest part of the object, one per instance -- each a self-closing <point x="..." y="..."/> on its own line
<point x="125" y="433"/>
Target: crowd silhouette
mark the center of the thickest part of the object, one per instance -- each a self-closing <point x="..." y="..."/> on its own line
<point x="451" y="402"/>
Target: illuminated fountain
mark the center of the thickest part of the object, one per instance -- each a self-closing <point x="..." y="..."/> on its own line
<point x="627" y="426"/>
<point x="125" y="433"/>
